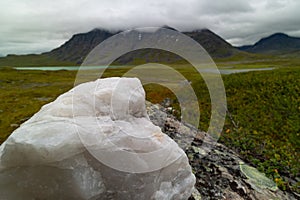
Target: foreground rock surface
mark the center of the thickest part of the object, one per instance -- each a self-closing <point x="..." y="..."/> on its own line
<point x="220" y="172"/>
<point x="94" y="142"/>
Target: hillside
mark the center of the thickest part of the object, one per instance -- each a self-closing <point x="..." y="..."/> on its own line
<point x="278" y="43"/>
<point x="216" y="46"/>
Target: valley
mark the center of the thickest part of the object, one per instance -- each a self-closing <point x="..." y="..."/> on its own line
<point x="262" y="122"/>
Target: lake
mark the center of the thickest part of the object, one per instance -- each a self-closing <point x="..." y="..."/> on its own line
<point x="232" y="71"/>
<point x="75" y="68"/>
<point x="69" y="68"/>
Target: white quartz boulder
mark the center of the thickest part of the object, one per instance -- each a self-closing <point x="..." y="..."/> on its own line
<point x="94" y="142"/>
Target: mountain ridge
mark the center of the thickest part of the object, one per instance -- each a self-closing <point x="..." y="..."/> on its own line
<point x="74" y="50"/>
<point x="275" y="44"/>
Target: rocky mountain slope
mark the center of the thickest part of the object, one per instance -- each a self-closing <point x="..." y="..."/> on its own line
<point x="80" y="45"/>
<point x="74" y="51"/>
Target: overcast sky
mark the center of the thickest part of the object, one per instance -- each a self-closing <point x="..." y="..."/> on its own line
<point x="34" y="26"/>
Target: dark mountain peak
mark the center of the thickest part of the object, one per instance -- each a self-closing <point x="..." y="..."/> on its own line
<point x="212" y="43"/>
<point x="207" y="32"/>
<point x="279" y="35"/>
<point x="80" y="45"/>
<point x="95" y="31"/>
<point x="275" y="36"/>
<point x="202" y="30"/>
<point x="277" y="43"/>
<point x="104" y="30"/>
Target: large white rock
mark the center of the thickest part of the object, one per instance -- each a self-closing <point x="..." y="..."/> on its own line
<point x="94" y="142"/>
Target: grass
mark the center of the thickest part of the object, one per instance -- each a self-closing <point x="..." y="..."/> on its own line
<point x="22" y="93"/>
<point x="266" y="107"/>
<point x="263" y="107"/>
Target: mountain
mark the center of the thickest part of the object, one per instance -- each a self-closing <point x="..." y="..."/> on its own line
<point x="78" y="47"/>
<point x="74" y="51"/>
<point x="278" y="43"/>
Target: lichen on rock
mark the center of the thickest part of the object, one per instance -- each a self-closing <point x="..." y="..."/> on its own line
<point x="257" y="179"/>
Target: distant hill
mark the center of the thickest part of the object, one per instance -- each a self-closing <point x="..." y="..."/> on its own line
<point x="74" y="51"/>
<point x="278" y="43"/>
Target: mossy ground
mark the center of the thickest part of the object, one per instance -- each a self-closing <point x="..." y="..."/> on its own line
<point x="263" y="124"/>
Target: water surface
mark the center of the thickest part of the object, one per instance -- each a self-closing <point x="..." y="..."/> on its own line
<point x="75" y="68"/>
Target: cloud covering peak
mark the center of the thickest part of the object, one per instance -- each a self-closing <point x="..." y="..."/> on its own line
<point x="35" y="26"/>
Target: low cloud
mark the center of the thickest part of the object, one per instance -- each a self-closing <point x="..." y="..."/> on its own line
<point x="35" y="26"/>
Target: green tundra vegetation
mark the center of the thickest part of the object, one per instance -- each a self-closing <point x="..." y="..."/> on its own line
<point x="263" y="121"/>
